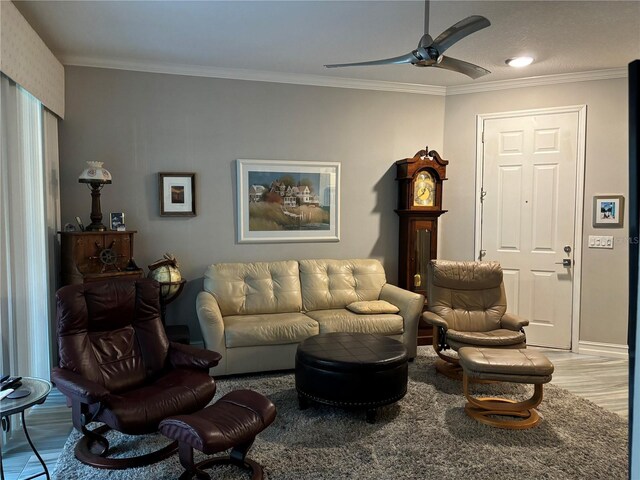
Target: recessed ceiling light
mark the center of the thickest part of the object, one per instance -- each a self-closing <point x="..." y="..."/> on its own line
<point x="519" y="61"/>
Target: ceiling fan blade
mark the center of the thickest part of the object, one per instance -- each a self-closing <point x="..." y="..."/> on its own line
<point x="460" y="66"/>
<point x="458" y="31"/>
<point x="407" y="58"/>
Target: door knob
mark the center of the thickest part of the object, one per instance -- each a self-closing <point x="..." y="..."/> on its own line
<point x="566" y="262"/>
<point x="567" y="249"/>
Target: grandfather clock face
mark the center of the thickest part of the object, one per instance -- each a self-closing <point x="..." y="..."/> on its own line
<point x="424" y="190"/>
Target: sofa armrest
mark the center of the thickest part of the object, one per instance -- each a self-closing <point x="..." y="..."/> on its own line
<point x="212" y="326"/>
<point x="76" y="387"/>
<point x="186" y="356"/>
<point x="410" y="305"/>
<point x="435" y="320"/>
<point x="513" y="322"/>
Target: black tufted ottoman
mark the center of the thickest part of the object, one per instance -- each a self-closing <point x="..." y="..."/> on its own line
<point x="351" y="370"/>
<point x="232" y="422"/>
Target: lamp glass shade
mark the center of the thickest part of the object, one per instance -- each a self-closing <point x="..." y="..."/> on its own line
<point x="94" y="173"/>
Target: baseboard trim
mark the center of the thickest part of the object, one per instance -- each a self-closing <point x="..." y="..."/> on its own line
<point x="612" y="350"/>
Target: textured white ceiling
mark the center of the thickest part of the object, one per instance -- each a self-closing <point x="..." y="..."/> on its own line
<point x="299" y="37"/>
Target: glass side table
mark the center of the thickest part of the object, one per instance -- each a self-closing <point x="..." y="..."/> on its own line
<point x="39" y="390"/>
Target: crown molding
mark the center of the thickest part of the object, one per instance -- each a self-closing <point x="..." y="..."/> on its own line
<point x="538" y="81"/>
<point x="336" y="82"/>
<point x="254" y="75"/>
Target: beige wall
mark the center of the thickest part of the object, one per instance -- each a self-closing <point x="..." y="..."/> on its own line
<point x="604" y="272"/>
<point x="140" y="124"/>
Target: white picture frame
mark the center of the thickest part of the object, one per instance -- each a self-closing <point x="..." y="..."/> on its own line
<point x="288" y="201"/>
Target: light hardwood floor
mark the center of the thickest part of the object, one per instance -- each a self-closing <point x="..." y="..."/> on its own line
<point x="601" y="380"/>
<point x="604" y="381"/>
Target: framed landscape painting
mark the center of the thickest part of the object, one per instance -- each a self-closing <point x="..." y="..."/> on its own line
<point x="286" y="201"/>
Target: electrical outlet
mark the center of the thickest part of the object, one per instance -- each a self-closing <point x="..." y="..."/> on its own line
<point x="601" y="241"/>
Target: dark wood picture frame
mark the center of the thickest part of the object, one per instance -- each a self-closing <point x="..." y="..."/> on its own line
<point x="177" y="194"/>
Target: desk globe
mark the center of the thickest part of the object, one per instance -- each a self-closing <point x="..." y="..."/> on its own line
<point x="166" y="272"/>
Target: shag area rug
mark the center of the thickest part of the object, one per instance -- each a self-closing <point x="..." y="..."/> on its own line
<point x="426" y="435"/>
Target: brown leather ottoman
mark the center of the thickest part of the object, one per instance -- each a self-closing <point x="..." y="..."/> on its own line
<point x="351" y="370"/>
<point x="505" y="365"/>
<point x="232" y="422"/>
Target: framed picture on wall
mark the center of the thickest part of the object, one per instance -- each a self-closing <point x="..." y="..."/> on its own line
<point x="177" y="194"/>
<point x="288" y="201"/>
<point x="608" y="211"/>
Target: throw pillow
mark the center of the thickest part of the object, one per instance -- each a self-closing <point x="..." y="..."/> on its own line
<point x="373" y="306"/>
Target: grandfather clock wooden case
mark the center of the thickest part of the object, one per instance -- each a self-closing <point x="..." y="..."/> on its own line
<point x="419" y="207"/>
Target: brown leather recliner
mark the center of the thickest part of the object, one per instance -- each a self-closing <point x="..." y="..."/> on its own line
<point x="118" y="367"/>
<point x="467" y="307"/>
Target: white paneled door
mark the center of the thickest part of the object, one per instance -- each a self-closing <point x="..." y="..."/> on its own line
<point x="528" y="216"/>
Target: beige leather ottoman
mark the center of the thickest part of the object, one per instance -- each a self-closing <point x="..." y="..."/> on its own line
<point x="505" y="365"/>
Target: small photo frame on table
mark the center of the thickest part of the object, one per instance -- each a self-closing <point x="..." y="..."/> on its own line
<point x="608" y="211"/>
<point x="117" y="221"/>
<point x="177" y="194"/>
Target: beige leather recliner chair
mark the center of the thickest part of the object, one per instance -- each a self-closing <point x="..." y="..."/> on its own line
<point x="467" y="307"/>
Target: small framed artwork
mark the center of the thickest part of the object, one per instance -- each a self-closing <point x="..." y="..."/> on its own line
<point x="177" y="194"/>
<point x="288" y="201"/>
<point x="117" y="220"/>
<point x="608" y="211"/>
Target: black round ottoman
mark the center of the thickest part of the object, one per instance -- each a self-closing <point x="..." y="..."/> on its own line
<point x="351" y="370"/>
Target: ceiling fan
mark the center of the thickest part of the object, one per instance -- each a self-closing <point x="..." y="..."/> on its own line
<point x="430" y="52"/>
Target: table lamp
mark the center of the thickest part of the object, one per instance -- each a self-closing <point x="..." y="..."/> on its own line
<point x="95" y="177"/>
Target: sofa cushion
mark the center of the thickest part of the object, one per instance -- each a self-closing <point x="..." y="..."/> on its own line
<point x="337" y="283"/>
<point x="267" y="329"/>
<point x="493" y="338"/>
<point x="252" y="288"/>
<point x="342" y="320"/>
<point x="373" y="306"/>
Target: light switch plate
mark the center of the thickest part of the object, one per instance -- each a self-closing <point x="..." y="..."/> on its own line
<point x="601" y="241"/>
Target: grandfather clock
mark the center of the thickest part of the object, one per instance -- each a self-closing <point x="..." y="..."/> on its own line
<point x="419" y="206"/>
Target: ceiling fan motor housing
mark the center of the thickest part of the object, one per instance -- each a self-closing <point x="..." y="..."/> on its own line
<point x="426" y="51"/>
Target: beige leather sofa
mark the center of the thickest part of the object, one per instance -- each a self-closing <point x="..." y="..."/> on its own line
<point x="256" y="314"/>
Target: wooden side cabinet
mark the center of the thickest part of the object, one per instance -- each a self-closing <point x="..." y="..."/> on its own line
<point x="94" y="256"/>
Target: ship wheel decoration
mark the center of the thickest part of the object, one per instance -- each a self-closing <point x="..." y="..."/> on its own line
<point x="107" y="256"/>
